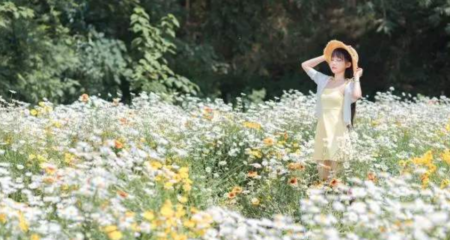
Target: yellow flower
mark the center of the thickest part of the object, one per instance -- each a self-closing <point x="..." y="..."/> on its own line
<point x="109" y="228"/>
<point x="180" y="211"/>
<point x="425" y="182"/>
<point x="155" y="164"/>
<point x="427" y="158"/>
<point x="281" y="143"/>
<point x="168" y="185"/>
<point x="252" y="174"/>
<point x="159" y="178"/>
<point x="65" y="187"/>
<point x="34" y="112"/>
<point x="177" y="177"/>
<point x="167" y="210"/>
<point x="446" y="156"/>
<point x="115" y="235"/>
<point x="188" y="223"/>
<point x="34" y="237"/>
<point x="445" y="183"/>
<point x="22" y="222"/>
<point x="402" y="163"/>
<point x="253" y="125"/>
<point x="176" y="236"/>
<point x="237" y="189"/>
<point x="255" y="201"/>
<point x="135" y="227"/>
<point x="68" y="157"/>
<point x="194" y="210"/>
<point x="148" y="215"/>
<point x="48" y="109"/>
<point x="57" y="124"/>
<point x="182" y="199"/>
<point x="41" y="158"/>
<point x="3" y="218"/>
<point x="268" y="141"/>
<point x="187" y="187"/>
<point x="184" y="172"/>
<point x="432" y="168"/>
<point x="256" y="153"/>
<point x="375" y="123"/>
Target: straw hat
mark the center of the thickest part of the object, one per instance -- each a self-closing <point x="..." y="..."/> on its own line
<point x="333" y="44"/>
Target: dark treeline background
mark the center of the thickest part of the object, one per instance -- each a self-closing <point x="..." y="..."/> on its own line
<point x="59" y="49"/>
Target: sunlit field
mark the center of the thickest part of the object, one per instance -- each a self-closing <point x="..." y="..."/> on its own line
<point x="199" y="169"/>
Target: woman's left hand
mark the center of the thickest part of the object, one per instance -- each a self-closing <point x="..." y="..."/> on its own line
<point x="358" y="72"/>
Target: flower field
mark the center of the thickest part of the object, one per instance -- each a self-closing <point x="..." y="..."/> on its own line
<point x="201" y="169"/>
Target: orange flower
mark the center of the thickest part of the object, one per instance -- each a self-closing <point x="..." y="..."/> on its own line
<point x="50" y="169"/>
<point x="371" y="176"/>
<point x="424" y="176"/>
<point x="334" y="182"/>
<point x="268" y="141"/>
<point x="84" y="97"/>
<point x="296" y="166"/>
<point x="118" y="144"/>
<point x="252" y="174"/>
<point x="208" y="113"/>
<point x="231" y="195"/>
<point x="123" y="121"/>
<point x="122" y="193"/>
<point x="49" y="180"/>
<point x="207" y="109"/>
<point x="293" y="181"/>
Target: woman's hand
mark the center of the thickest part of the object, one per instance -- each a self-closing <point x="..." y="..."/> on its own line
<point x="312" y="62"/>
<point x="358" y="73"/>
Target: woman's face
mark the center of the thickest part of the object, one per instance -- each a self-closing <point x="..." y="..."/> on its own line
<point x="338" y="65"/>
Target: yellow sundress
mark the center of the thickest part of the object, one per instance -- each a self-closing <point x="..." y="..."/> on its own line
<point x="331" y="133"/>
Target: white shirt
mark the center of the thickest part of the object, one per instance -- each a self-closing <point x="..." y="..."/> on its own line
<point x="322" y="80"/>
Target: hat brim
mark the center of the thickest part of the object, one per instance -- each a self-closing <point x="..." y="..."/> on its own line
<point x="333" y="44"/>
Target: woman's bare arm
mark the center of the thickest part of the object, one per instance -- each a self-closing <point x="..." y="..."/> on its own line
<point x="357" y="93"/>
<point x="306" y="65"/>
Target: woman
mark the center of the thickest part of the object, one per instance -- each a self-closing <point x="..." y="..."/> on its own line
<point x="335" y="106"/>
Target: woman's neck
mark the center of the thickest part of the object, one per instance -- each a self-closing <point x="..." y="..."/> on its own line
<point x="339" y="77"/>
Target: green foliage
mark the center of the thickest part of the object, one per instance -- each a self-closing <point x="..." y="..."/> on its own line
<point x="56" y="51"/>
<point x="60" y="49"/>
<point x="104" y="64"/>
<point x="32" y="61"/>
<point x="151" y="71"/>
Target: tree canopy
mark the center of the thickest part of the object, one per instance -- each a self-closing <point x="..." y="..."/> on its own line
<point x="61" y="49"/>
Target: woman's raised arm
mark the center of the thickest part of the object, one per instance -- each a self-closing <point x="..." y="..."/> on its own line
<point x="308" y="64"/>
<point x="315" y="75"/>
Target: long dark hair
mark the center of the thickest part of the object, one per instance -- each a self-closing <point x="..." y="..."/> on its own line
<point x="343" y="54"/>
